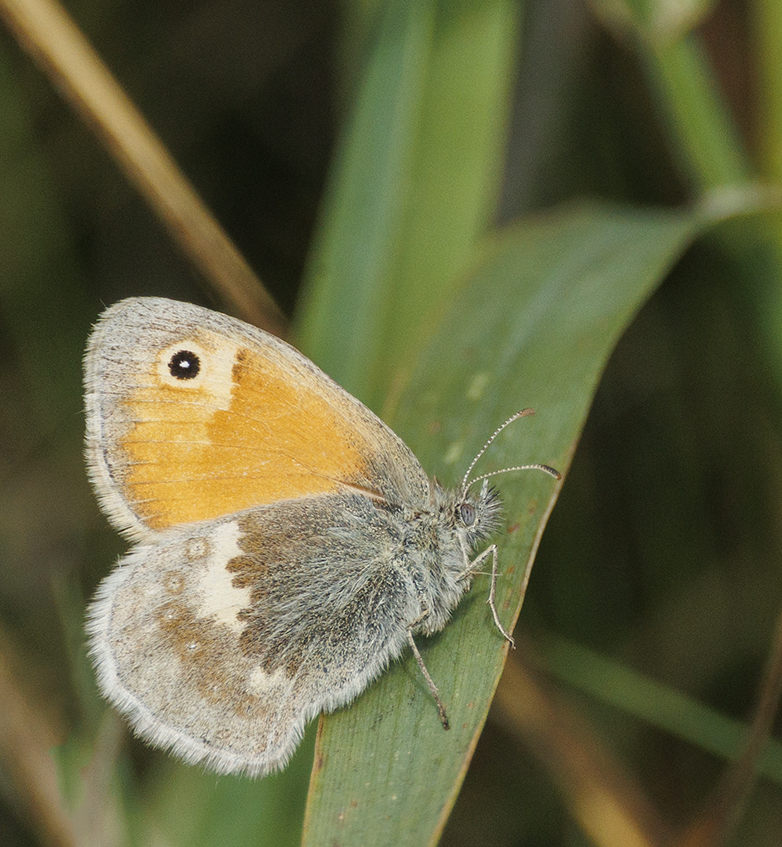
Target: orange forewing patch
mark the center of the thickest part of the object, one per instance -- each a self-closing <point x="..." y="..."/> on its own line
<point x="280" y="437"/>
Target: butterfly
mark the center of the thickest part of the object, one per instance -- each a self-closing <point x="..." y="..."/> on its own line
<point x="288" y="544"/>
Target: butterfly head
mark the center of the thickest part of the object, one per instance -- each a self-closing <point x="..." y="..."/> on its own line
<point x="477" y="513"/>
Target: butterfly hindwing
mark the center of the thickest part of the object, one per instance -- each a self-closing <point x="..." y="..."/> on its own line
<point x="223" y="638"/>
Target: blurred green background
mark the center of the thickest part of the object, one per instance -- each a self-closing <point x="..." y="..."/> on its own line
<point x="663" y="553"/>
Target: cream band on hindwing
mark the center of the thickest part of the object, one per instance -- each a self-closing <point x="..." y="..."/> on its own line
<point x="220" y="599"/>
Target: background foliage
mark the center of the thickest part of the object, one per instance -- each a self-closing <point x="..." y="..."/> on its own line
<point x="371" y="150"/>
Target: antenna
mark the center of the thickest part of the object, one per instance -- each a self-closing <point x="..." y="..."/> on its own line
<point x="524" y="413"/>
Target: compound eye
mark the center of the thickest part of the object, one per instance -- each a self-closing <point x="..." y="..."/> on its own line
<point x="467" y="513"/>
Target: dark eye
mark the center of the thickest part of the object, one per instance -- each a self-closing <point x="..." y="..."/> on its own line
<point x="467" y="514"/>
<point x="184" y="365"/>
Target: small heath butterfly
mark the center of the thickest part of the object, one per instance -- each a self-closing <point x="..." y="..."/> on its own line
<point x="288" y="544"/>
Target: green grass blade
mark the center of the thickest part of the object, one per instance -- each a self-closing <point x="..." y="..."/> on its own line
<point x="191" y="808"/>
<point x="703" y="134"/>
<point x="767" y="32"/>
<point x="414" y="186"/>
<point x="533" y="326"/>
<point x="659" y="704"/>
<point x="343" y="300"/>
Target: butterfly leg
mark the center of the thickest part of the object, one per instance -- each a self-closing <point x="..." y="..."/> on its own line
<point x="492" y="593"/>
<point x="472" y="568"/>
<point x="424" y="671"/>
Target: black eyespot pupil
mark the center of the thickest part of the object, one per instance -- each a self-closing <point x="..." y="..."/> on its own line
<point x="184" y="365"/>
<point x="467" y="514"/>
